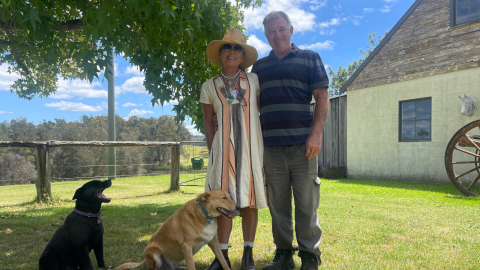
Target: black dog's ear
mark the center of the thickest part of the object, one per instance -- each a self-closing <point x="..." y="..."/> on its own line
<point x="203" y="197"/>
<point x="78" y="193"/>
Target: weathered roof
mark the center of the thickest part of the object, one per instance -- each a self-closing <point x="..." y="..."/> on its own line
<point x="379" y="47"/>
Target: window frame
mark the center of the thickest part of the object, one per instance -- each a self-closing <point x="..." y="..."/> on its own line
<point x="400" y="139"/>
<point x="453" y="17"/>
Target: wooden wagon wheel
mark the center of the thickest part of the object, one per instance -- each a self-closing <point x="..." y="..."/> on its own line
<point x="466" y="140"/>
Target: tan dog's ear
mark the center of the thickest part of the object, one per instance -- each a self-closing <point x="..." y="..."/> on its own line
<point x="203" y="197"/>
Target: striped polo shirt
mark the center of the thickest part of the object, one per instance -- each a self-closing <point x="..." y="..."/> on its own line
<point x="286" y="87"/>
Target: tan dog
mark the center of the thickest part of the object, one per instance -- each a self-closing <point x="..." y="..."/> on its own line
<point x="188" y="230"/>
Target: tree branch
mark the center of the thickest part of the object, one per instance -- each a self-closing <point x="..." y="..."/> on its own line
<point x="13" y="51"/>
<point x="72" y="25"/>
<point x="5" y="42"/>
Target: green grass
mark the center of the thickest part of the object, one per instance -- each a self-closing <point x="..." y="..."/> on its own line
<point x="366" y="224"/>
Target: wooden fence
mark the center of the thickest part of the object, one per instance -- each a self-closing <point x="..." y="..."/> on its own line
<point x="333" y="153"/>
<point x="42" y="158"/>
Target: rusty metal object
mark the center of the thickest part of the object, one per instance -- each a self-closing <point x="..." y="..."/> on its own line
<point x="458" y="142"/>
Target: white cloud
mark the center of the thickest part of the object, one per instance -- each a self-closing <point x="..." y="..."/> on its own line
<point x="368" y="10"/>
<point x="6" y="79"/>
<point x="139" y="112"/>
<point x="262" y="47"/>
<point x="133" y="85"/>
<point x="317" y="5"/>
<point x="130" y="104"/>
<point x="68" y="89"/>
<point x="171" y="102"/>
<point x="386" y="9"/>
<point x="327" y="32"/>
<point x="327" y="45"/>
<point x="356" y="19"/>
<point x="2" y="112"/>
<point x="74" y="106"/>
<point x="116" y="72"/>
<point x="302" y="20"/>
<point x="133" y="70"/>
<point x="337" y="7"/>
<point x="193" y="130"/>
<point x="334" y="21"/>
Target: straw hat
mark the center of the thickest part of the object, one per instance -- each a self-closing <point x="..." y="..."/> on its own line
<point x="233" y="36"/>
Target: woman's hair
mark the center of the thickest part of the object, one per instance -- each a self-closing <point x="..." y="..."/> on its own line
<point x="275" y="15"/>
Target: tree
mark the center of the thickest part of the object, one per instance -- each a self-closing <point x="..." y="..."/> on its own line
<point x="166" y="39"/>
<point x="341" y="76"/>
<point x="15" y="169"/>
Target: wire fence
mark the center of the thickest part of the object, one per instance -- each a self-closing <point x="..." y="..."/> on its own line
<point x="194" y="170"/>
<point x="18" y="167"/>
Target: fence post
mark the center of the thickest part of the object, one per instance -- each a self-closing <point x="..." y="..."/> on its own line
<point x="175" y="168"/>
<point x="43" y="173"/>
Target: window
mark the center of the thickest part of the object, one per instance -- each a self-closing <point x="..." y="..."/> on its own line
<point x="415" y="120"/>
<point x="464" y="11"/>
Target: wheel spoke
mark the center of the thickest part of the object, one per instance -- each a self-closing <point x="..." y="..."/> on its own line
<point x="463" y="162"/>
<point x="474" y="182"/>
<point x="474" y="144"/>
<point x="476" y="168"/>
<point x="465" y="151"/>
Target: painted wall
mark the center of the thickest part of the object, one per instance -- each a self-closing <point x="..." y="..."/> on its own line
<point x="374" y="151"/>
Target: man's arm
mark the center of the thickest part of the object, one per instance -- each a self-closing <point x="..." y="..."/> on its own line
<point x="314" y="141"/>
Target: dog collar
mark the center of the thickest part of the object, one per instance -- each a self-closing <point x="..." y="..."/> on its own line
<point x="209" y="218"/>
<point x="90" y="215"/>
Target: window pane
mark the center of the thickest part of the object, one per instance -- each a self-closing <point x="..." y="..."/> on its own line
<point x="474" y="10"/>
<point x="459" y="1"/>
<point x="422" y="129"/>
<point x="462" y="12"/>
<point x="408" y="130"/>
<point x="408" y="110"/>
<point x="424" y="107"/>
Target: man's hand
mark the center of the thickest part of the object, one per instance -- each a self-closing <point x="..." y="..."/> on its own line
<point x="215" y="121"/>
<point x="314" y="141"/>
<point x="313" y="145"/>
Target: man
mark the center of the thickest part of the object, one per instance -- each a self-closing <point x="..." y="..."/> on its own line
<point x="292" y="136"/>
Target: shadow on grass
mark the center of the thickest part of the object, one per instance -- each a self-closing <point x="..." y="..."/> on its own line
<point x="448" y="189"/>
<point x="127" y="228"/>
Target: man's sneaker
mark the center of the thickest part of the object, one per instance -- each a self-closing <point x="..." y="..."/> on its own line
<point x="309" y="261"/>
<point x="283" y="260"/>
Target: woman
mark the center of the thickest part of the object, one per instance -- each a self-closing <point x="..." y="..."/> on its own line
<point x="236" y="148"/>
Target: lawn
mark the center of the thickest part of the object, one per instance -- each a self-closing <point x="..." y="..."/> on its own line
<point x="366" y="224"/>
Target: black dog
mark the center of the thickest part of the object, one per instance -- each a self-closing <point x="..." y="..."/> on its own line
<point x="82" y="231"/>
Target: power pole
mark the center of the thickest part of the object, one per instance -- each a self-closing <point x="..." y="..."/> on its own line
<point x="112" y="174"/>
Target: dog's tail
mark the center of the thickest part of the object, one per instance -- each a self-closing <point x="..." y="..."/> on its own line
<point x="131" y="265"/>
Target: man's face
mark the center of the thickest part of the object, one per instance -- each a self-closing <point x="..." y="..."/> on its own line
<point x="278" y="35"/>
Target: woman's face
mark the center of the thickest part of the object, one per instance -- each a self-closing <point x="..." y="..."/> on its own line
<point x="231" y="55"/>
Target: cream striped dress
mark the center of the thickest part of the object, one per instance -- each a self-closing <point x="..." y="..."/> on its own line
<point x="236" y="158"/>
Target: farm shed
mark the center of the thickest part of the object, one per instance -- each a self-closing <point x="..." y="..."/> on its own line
<point x="403" y="102"/>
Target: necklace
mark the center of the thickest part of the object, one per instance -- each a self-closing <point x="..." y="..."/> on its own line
<point x="231" y="81"/>
<point x="230" y="77"/>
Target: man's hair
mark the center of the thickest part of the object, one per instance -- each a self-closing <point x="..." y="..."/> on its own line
<point x="275" y="15"/>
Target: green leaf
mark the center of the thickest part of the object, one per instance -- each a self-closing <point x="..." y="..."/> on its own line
<point x="32" y="16"/>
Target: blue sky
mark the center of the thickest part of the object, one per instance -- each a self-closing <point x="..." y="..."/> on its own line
<point x="335" y="29"/>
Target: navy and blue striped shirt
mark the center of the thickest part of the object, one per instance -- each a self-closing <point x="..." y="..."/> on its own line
<point x="286" y="87"/>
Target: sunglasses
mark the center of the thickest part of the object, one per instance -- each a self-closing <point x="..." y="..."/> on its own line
<point x="227" y="47"/>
